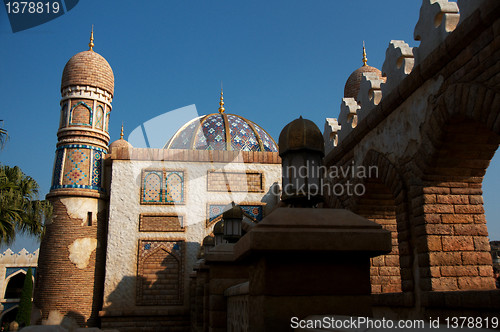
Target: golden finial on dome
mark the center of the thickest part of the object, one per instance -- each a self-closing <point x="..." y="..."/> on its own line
<point x="91" y="44"/>
<point x="365" y="60"/>
<point x="221" y="103"/>
<point x="121" y="133"/>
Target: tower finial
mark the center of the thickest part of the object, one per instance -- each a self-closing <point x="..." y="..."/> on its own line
<point x="221" y="103"/>
<point x="91" y="44"/>
<point x="121" y="133"/>
<point x="365" y="60"/>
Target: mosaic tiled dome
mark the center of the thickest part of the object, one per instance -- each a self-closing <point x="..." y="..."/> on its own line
<point x="221" y="131"/>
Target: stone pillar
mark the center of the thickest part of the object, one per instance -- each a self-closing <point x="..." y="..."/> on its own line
<point x="309" y="262"/>
<point x="224" y="272"/>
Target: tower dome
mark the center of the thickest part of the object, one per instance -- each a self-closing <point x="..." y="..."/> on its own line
<point x="351" y="88"/>
<point x="88" y="68"/>
<point x="221" y="131"/>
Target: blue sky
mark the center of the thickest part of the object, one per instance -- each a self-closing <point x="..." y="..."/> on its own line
<point x="278" y="60"/>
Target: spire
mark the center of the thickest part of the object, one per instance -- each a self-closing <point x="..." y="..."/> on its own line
<point x="91" y="44"/>
<point x="221" y="103"/>
<point x="365" y="60"/>
<point x="121" y="133"/>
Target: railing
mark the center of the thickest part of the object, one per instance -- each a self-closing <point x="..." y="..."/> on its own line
<point x="237" y="308"/>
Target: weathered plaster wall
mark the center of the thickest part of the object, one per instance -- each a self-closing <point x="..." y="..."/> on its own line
<point x="399" y="135"/>
<point x="125" y="208"/>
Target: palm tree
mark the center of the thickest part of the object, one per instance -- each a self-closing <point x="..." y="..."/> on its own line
<point x="20" y="209"/>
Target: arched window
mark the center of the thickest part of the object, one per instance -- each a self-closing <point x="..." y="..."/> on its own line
<point x="106" y="122"/>
<point x="15" y="286"/>
<point x="152" y="187"/>
<point x="81" y="114"/>
<point x="99" y="117"/>
<point x="64" y="115"/>
<point x="174" y="187"/>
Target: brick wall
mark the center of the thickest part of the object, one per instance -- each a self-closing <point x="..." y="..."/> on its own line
<point x="160" y="273"/>
<point x="60" y="285"/>
<point x="378" y="205"/>
<point x="160" y="223"/>
<point x="235" y="181"/>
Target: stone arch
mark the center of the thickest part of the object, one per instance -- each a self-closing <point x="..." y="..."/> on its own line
<point x="459" y="139"/>
<point x="159" y="278"/>
<point x="99" y="118"/>
<point x="64" y="116"/>
<point x="9" y="314"/>
<point x="81" y="114"/>
<point x="14" y="285"/>
<point x="384" y="202"/>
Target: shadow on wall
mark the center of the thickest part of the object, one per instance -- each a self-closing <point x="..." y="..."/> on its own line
<point x="163" y="267"/>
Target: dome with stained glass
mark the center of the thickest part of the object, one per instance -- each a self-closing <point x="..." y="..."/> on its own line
<point x="221" y="131"/>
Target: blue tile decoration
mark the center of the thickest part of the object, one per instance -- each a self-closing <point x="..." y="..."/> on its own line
<point x="70" y="146"/>
<point x="96" y="168"/>
<point x="99" y="117"/>
<point x="183" y="139"/>
<point x="11" y="270"/>
<point x="56" y="177"/>
<point x="242" y="136"/>
<point x="78" y="172"/>
<point x="77" y="186"/>
<point x="174" y="184"/>
<point x="269" y="144"/>
<point x="152" y="187"/>
<point x="254" y="212"/>
<point x="89" y="109"/>
<point x="211" y="134"/>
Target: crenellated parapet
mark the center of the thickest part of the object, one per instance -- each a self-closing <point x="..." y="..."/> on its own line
<point x="367" y="88"/>
<point x="348" y="118"/>
<point x="398" y="64"/>
<point x="330" y="134"/>
<point x="22" y="258"/>
<point x="369" y="94"/>
<point x="438" y="18"/>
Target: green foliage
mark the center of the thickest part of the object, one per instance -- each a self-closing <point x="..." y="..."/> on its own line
<point x="24" y="311"/>
<point x="20" y="209"/>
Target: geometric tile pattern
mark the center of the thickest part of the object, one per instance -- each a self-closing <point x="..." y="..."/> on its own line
<point x="162" y="187"/>
<point x="152" y="187"/>
<point x="96" y="168"/>
<point x="211" y="134"/>
<point x="174" y="187"/>
<point x="267" y="141"/>
<point x="56" y="177"/>
<point x="59" y="166"/>
<point x="242" y="136"/>
<point x="183" y="140"/>
<point x="76" y="167"/>
<point x="254" y="212"/>
<point x="99" y="117"/>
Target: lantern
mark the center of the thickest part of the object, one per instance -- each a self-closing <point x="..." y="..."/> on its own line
<point x="232" y="218"/>
<point x="301" y="148"/>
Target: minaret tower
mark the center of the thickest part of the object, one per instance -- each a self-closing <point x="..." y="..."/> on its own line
<point x="70" y="272"/>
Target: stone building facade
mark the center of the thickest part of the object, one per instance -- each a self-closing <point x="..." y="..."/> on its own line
<point x="128" y="222"/>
